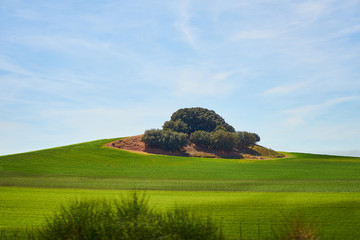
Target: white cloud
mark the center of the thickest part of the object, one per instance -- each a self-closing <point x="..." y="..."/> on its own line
<point x="183" y="24"/>
<point x="8" y="66"/>
<point x="300" y="116"/>
<point x="62" y="43"/>
<point x="348" y="31"/>
<point x="29" y="87"/>
<point x="285" y="89"/>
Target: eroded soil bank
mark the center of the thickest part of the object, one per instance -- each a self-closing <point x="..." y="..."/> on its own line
<point x="135" y="144"/>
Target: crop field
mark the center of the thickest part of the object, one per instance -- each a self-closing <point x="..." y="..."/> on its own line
<point x="250" y="198"/>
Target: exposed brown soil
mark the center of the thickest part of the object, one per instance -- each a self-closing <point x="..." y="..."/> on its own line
<point x="135" y="144"/>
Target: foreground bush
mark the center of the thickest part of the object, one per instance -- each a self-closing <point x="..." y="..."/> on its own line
<point x="167" y="140"/>
<point x="127" y="219"/>
<point x="132" y="219"/>
<point x="81" y="220"/>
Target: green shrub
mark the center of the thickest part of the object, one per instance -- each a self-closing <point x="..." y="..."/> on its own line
<point x="202" y="139"/>
<point x="167" y="140"/>
<point x="133" y="219"/>
<point x="257" y="137"/>
<point x="246" y="139"/>
<point x="219" y="140"/>
<point x="222" y="140"/>
<point x="19" y="234"/>
<point x="152" y="137"/>
<point x="80" y="220"/>
<point x="176" y="126"/>
<point x="182" y="224"/>
<point x="129" y="219"/>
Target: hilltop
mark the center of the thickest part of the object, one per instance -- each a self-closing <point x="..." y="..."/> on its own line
<point x="135" y="144"/>
<point x="198" y="132"/>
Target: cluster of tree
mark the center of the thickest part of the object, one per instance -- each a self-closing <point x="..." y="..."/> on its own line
<point x="201" y="126"/>
<point x="223" y="140"/>
<point x="189" y="120"/>
<point x="165" y="139"/>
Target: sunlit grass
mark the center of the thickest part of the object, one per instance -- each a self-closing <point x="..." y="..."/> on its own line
<point x="92" y="160"/>
<point x="252" y="195"/>
<point x="27" y="207"/>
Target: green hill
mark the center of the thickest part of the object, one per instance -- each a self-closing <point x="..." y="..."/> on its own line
<point x="248" y="191"/>
<point x="91" y="160"/>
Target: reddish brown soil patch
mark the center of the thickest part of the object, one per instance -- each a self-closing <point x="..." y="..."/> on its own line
<point x="129" y="143"/>
<point x="136" y="145"/>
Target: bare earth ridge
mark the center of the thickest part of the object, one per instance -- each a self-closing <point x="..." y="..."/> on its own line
<point x="135" y="144"/>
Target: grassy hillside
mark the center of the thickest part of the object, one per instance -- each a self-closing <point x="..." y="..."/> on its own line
<point x="91" y="159"/>
<point x="24" y="207"/>
<point x="239" y="192"/>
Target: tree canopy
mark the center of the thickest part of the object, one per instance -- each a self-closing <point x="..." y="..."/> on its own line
<point x="189" y="120"/>
<point x="201" y="126"/>
<point x="167" y="140"/>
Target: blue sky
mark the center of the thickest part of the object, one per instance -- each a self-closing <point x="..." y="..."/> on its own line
<point x="74" y="71"/>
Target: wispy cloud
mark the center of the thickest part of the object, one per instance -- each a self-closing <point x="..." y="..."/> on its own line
<point x="183" y="23"/>
<point x="280" y="90"/>
<point x="300" y="116"/>
<point x="348" y="30"/>
<point x="80" y="57"/>
<point x="62" y="43"/>
<point x="10" y="67"/>
<point x="19" y="83"/>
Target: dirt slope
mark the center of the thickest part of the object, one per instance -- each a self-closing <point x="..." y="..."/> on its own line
<point x="136" y="145"/>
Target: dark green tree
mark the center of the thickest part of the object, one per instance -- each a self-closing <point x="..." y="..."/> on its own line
<point x="201" y="126"/>
<point x="197" y="119"/>
<point x="202" y="139"/>
<point x="165" y="139"/>
<point x="257" y="137"/>
<point x="222" y="140"/>
<point x="177" y="126"/>
<point x="246" y="139"/>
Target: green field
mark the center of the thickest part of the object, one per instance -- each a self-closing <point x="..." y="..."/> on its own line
<point x="251" y="195"/>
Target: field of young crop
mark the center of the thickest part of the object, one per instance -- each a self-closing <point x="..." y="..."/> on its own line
<point x="256" y="213"/>
<point x="252" y="195"/>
